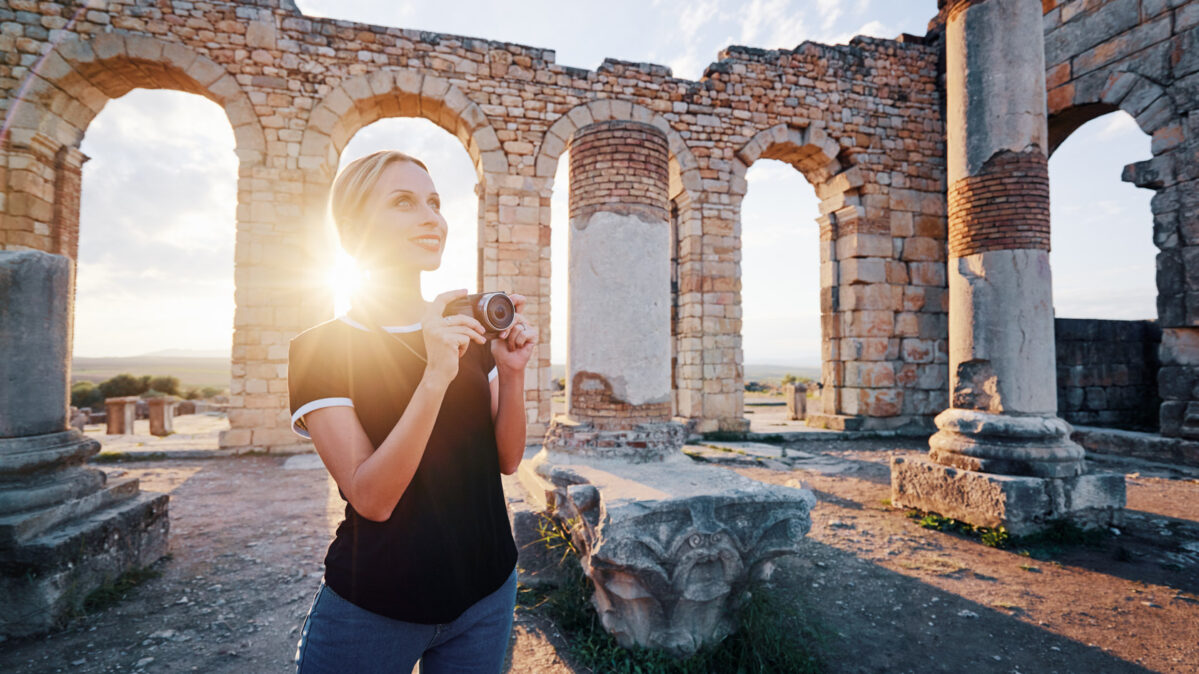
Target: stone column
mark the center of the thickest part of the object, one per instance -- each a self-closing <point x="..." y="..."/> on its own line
<point x="1002" y="418"/>
<point x="162" y="415"/>
<point x="65" y="527"/>
<point x="618" y="382"/>
<point x="121" y="415"/>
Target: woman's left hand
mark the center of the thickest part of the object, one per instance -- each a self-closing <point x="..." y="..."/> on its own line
<point x="514" y="346"/>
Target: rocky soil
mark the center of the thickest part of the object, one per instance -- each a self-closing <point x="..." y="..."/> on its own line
<point x="248" y="534"/>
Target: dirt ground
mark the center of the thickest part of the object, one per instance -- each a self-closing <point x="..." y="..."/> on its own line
<point x="248" y="535"/>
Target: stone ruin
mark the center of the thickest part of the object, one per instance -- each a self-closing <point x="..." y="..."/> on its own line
<point x="65" y="527"/>
<point x="928" y="154"/>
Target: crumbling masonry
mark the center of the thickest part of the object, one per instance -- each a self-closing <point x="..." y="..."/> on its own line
<point x="864" y="123"/>
<point x="908" y="215"/>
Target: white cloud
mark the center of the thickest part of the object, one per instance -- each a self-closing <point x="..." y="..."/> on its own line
<point x="872" y="28"/>
<point x="1117" y="124"/>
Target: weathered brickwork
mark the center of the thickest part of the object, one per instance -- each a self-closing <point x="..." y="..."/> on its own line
<point x="619" y="167"/>
<point x="862" y="122"/>
<point x="591" y="400"/>
<point x="1003" y="207"/>
<point x="1107" y="372"/>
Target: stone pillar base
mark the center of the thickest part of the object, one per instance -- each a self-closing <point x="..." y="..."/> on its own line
<point x="1036" y="445"/>
<point x="641" y="444"/>
<point x="1021" y="504"/>
<point x="833" y="422"/>
<point x="66" y="529"/>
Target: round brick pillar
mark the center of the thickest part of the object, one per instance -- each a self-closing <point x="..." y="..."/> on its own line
<point x="618" y="353"/>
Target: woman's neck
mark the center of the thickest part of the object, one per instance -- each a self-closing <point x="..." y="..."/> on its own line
<point x="389" y="296"/>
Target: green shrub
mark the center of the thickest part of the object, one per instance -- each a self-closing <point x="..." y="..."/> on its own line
<point x="166" y="384"/>
<point x="86" y="394"/>
<point x="123" y="385"/>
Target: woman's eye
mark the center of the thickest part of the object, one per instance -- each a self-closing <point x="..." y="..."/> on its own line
<point x="435" y="204"/>
<point x="403" y="201"/>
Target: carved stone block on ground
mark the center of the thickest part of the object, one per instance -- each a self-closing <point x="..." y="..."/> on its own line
<point x="1021" y="504"/>
<point x="670" y="547"/>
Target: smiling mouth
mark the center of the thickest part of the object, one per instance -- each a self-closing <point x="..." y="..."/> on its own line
<point x="430" y="243"/>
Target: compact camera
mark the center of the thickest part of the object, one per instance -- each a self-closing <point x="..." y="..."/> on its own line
<point x="494" y="310"/>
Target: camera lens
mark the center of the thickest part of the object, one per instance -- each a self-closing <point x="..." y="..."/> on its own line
<point x="500" y="311"/>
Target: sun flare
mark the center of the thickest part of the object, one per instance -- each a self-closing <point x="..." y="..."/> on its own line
<point x="344" y="278"/>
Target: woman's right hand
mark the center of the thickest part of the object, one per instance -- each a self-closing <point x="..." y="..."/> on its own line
<point x="447" y="338"/>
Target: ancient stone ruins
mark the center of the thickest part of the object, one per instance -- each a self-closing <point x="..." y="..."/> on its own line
<point x="929" y="157"/>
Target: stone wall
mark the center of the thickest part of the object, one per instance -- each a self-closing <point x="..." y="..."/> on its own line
<point x="1107" y="372"/>
<point x="1142" y="57"/>
<point x="862" y="122"/>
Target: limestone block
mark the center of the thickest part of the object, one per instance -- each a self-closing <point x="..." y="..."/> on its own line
<point x="162" y="414"/>
<point x="672" y="547"/>
<point x="796" y="396"/>
<point x="1021" y="504"/>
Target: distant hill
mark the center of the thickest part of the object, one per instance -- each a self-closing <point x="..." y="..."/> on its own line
<point x="186" y="353"/>
<point x="191" y="371"/>
<point x="753" y="372"/>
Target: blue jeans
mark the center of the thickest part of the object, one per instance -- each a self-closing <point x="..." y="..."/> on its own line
<point x="342" y="637"/>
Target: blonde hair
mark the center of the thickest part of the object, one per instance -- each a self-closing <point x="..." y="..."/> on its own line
<point x="355" y="182"/>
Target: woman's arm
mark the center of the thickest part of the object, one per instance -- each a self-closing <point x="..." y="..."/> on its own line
<point x="511" y="352"/>
<point x="373" y="479"/>
<point x="508" y="411"/>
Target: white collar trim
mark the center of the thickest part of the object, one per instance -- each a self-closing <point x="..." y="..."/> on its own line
<point x="390" y="328"/>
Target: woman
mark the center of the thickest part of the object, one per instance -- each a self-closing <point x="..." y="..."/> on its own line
<point x="414" y="421"/>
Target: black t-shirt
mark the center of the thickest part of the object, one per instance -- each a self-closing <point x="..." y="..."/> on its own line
<point x="448" y="542"/>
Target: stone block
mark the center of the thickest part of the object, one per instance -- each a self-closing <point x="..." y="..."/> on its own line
<point x="863" y="270"/>
<point x="1022" y="505"/>
<point x="863" y="245"/>
<point x="671" y="547"/>
<point x="46" y="578"/>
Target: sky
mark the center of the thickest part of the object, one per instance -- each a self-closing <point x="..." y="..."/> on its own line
<point x="158" y="205"/>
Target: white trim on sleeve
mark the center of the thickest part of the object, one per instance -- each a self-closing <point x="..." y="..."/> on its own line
<point x="316" y="405"/>
<point x="493" y="374"/>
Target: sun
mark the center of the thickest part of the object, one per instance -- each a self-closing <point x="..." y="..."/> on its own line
<point x="344" y="278"/>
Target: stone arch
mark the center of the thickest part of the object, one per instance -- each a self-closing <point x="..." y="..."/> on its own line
<point x="686" y="185"/>
<point x="397" y="92"/>
<point x="1144" y="100"/>
<point x="1157" y="115"/>
<point x="563" y="129"/>
<point x="837" y="183"/>
<point x="65" y="90"/>
<point x="810" y="151"/>
<point x="73" y="81"/>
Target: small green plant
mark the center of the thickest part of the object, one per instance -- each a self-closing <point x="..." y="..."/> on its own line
<point x="993" y="537"/>
<point x="113" y="591"/>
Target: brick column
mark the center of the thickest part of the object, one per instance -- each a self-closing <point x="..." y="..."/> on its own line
<point x="618" y="340"/>
<point x="1003" y="402"/>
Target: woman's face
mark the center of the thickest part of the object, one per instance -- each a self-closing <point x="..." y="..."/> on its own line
<point x="402" y="220"/>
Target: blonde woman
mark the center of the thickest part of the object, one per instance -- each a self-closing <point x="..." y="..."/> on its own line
<point x="415" y="415"/>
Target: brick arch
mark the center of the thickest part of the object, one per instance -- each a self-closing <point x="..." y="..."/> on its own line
<point x="558" y="136"/>
<point x="397" y="92"/>
<point x="73" y="81"/>
<point x="1146" y="101"/>
<point x="810" y="150"/>
<point x="837" y="183"/>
